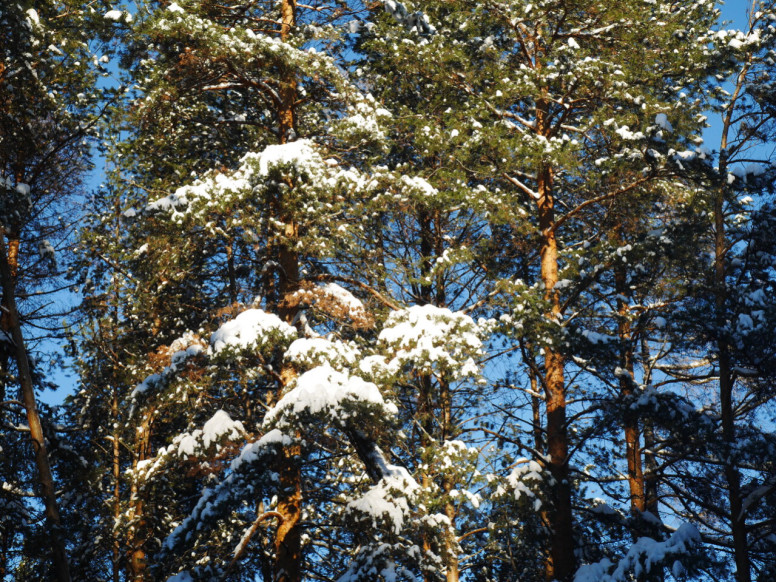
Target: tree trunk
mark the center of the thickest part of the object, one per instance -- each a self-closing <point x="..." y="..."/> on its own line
<point x="651" y="481"/>
<point x="626" y="382"/>
<point x="136" y="538"/>
<point x="451" y="542"/>
<point x="4" y="546"/>
<point x="425" y="420"/>
<point x="231" y="273"/>
<point x="6" y="349"/>
<point x="8" y="267"/>
<point x="537" y="429"/>
<point x="287" y="92"/>
<point x="732" y="476"/>
<point x="288" y="258"/>
<point x="288" y="537"/>
<point x="561" y="563"/>
<point x="116" y="487"/>
<point x="287" y="566"/>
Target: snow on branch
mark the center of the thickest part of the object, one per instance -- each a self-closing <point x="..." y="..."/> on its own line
<point x="643" y="556"/>
<point x="196" y="444"/>
<point x="248" y="477"/>
<point x="336" y="395"/>
<point x="311" y="352"/>
<point x="413" y="22"/>
<point x="388" y="501"/>
<point x="179" y="351"/>
<point x="431" y="338"/>
<point x="251" y="329"/>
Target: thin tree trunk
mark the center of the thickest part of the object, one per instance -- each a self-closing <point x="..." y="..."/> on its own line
<point x="451" y="543"/>
<point x="536" y="409"/>
<point x="115" y="409"/>
<point x="4" y="546"/>
<point x="425" y="419"/>
<point x="48" y="493"/>
<point x="116" y="487"/>
<point x="424" y="406"/>
<point x="6" y="349"/>
<point x="561" y="563"/>
<point x="651" y="481"/>
<point x="732" y="476"/>
<point x="230" y="270"/>
<point x="626" y="382"/>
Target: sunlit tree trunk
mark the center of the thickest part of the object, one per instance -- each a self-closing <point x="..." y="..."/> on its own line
<point x="136" y="536"/>
<point x="116" y="487"/>
<point x="561" y="563"/>
<point x="288" y="536"/>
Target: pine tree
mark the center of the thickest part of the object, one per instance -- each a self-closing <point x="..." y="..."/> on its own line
<point x="270" y="219"/>
<point x="735" y="276"/>
<point x="352" y="324"/>
<point x="552" y="86"/>
<point x="48" y="97"/>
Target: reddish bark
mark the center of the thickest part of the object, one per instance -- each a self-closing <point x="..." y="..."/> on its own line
<point x="561" y="563"/>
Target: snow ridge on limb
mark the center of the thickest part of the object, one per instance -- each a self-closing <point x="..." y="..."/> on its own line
<point x="248" y="479"/>
<point x="644" y="556"/>
<point x="337" y="396"/>
<point x="323" y="188"/>
<point x="196" y="445"/>
<point x="252" y="329"/>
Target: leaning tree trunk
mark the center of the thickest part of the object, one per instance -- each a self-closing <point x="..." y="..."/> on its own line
<point x="8" y="268"/>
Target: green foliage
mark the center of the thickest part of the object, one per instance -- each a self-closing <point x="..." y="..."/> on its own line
<point x="317" y="276"/>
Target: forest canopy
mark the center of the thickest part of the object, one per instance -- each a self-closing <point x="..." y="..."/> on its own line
<point x="388" y="291"/>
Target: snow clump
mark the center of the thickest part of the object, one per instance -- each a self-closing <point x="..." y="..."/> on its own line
<point x="389" y="500"/>
<point x="219" y="427"/>
<point x="324" y="390"/>
<point x="311" y="352"/>
<point x="253" y="328"/>
<point x="432" y="337"/>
